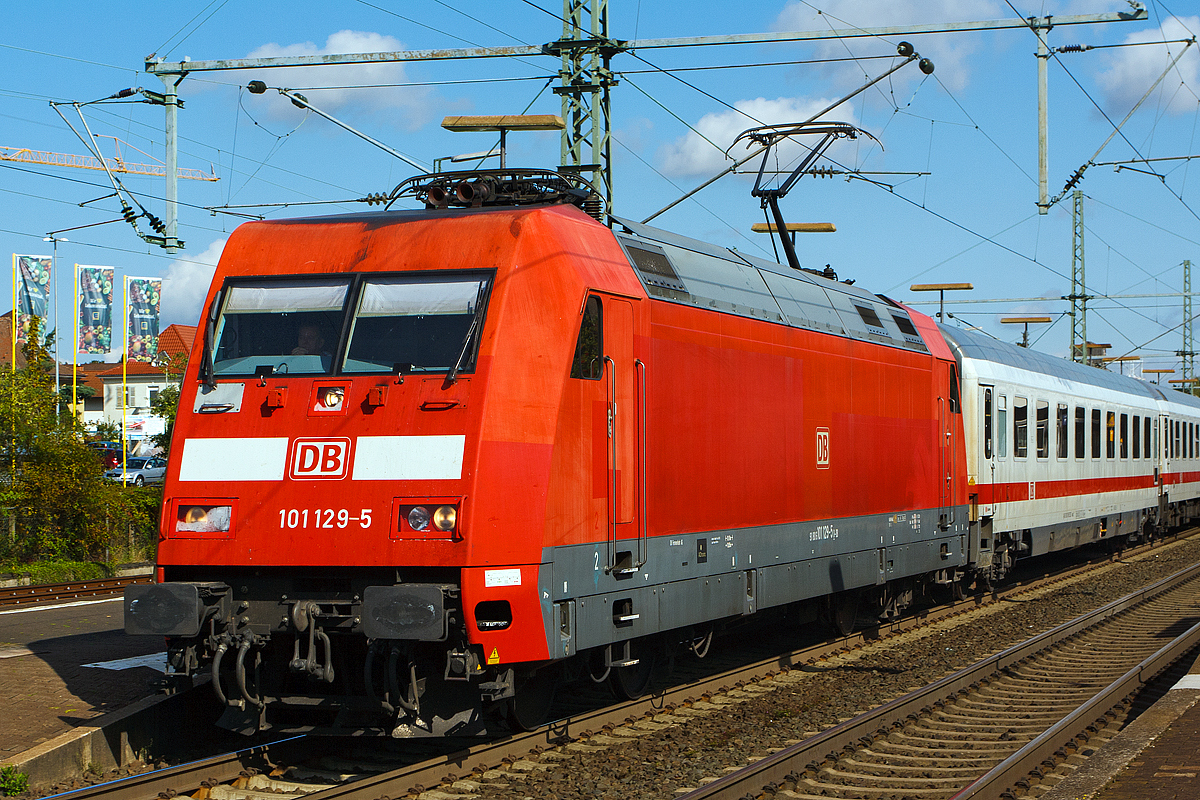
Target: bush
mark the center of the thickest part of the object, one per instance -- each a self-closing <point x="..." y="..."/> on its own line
<point x="12" y="782"/>
<point x="56" y="504"/>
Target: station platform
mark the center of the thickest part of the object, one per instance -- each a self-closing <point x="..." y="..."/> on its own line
<point x="57" y="670"/>
<point x="1155" y="756"/>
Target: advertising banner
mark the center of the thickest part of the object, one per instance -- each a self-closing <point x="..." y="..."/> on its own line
<point x="95" y="309"/>
<point x="33" y="292"/>
<point x="142" y="332"/>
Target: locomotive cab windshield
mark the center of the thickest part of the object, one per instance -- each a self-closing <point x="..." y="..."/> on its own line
<point x="426" y="323"/>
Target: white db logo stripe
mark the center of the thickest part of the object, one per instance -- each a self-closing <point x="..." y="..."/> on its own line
<point x="234" y="459"/>
<point x="408" y="458"/>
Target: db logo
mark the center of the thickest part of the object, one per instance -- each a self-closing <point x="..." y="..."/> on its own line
<point x="314" y="459"/>
<point x="822" y="448"/>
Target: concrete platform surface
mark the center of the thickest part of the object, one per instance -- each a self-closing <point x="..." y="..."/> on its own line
<point x="46" y="685"/>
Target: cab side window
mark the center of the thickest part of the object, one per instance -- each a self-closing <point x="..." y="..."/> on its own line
<point x="589" y="350"/>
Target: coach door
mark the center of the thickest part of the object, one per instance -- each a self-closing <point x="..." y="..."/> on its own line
<point x="1162" y="451"/>
<point x="985" y="449"/>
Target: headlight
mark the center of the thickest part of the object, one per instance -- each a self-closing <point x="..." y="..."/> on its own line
<point x="204" y="519"/>
<point x="444" y="517"/>
<point x="418" y="518"/>
<point x="331" y="397"/>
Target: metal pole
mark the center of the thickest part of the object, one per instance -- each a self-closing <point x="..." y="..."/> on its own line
<point x="171" y="82"/>
<point x="75" y="353"/>
<point x="1043" y="56"/>
<point x="57" y="383"/>
<point x="124" y="384"/>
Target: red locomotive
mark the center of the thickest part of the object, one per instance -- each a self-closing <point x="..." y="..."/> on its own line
<point x="430" y="464"/>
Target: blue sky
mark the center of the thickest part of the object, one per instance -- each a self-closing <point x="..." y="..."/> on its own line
<point x="972" y="126"/>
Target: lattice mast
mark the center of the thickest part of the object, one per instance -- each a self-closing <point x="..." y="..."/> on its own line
<point x="586" y="82"/>
<point x="1078" y="296"/>
<point x="1188" y="353"/>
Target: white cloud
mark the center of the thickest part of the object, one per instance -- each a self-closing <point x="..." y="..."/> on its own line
<point x="405" y="107"/>
<point x="692" y="155"/>
<point x="1133" y="70"/>
<point x="185" y="285"/>
<point x="950" y="52"/>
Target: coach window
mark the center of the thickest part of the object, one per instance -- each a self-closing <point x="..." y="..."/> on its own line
<point x="1110" y="437"/>
<point x="1137" y="436"/>
<point x="1175" y="439"/>
<point x="1146" y="437"/>
<point x="1124" y="436"/>
<point x="589" y="357"/>
<point x="1002" y="426"/>
<point x="1080" y="432"/>
<point x="1061" y="441"/>
<point x="1020" y="427"/>
<point x="1095" y="433"/>
<point x="987" y="423"/>
<point x="1043" y="429"/>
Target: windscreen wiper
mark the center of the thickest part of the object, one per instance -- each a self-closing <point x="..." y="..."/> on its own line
<point x="207" y="369"/>
<point x="480" y="304"/>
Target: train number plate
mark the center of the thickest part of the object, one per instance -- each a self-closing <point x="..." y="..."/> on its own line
<point x="323" y="517"/>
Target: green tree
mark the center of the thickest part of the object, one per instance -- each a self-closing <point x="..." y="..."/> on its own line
<point x="106" y="431"/>
<point x="53" y="482"/>
<point x="165" y="405"/>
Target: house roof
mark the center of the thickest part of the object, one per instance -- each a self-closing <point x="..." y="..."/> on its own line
<point x="177" y="339"/>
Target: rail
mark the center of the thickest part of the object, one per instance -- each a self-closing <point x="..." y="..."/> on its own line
<point x="853" y="733"/>
<point x="46" y="592"/>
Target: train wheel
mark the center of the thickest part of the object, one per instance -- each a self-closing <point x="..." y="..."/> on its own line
<point x="535" y="696"/>
<point x="843" y="611"/>
<point x="630" y="683"/>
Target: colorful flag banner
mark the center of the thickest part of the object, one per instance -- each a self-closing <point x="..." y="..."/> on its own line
<point x="142" y="331"/>
<point x="95" y="309"/>
<point x="33" y="292"/>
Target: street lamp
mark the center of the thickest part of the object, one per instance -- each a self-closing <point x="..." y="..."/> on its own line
<point x="1024" y="321"/>
<point x="941" y="289"/>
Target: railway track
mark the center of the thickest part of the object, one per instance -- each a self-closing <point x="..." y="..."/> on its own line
<point x="75" y="590"/>
<point x="463" y="769"/>
<point x="982" y="731"/>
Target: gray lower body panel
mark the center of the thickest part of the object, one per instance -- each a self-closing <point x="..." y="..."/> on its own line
<point x="691" y="579"/>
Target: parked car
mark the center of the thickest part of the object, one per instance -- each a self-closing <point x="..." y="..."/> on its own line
<point x="109" y="452"/>
<point x="140" y="471"/>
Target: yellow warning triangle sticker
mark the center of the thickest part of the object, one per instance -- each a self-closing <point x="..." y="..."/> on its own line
<point x="494" y="658"/>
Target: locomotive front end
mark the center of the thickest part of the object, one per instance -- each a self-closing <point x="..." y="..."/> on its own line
<point x="314" y="531"/>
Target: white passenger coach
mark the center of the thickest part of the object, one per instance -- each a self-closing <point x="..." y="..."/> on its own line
<point x="1060" y="454"/>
